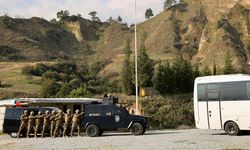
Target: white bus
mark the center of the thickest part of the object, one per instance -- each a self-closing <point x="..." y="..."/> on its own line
<point x="222" y="102"/>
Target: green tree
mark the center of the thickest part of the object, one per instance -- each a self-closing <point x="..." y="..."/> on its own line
<point x="228" y="68"/>
<point x="110" y="20"/>
<point x="196" y="72"/>
<point x="206" y="71"/>
<point x="119" y="19"/>
<point x="126" y="74"/>
<point x="169" y="3"/>
<point x="64" y="90"/>
<point x="62" y="15"/>
<point x="145" y="66"/>
<point x="93" y="16"/>
<point x="149" y="13"/>
<point x="80" y="92"/>
<point x="214" y="69"/>
<point x="183" y="76"/>
<point x="50" y="88"/>
<point x="163" y="81"/>
<point x="75" y="83"/>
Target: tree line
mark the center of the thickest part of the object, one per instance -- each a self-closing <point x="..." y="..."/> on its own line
<point x="168" y="77"/>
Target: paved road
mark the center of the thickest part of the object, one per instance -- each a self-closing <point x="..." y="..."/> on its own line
<point x="162" y="140"/>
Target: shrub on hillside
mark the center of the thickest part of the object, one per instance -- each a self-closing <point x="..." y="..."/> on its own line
<point x="169" y="111"/>
<point x="50" y="88"/>
<point x="80" y="92"/>
<point x="51" y="75"/>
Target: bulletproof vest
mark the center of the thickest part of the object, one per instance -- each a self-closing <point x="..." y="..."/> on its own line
<point x="39" y="119"/>
<point x="31" y="120"/>
<point x="25" y="121"/>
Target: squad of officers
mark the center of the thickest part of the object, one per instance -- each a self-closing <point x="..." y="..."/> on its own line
<point x="52" y="122"/>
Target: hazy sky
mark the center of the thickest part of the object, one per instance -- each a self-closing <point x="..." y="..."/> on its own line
<point x="105" y="8"/>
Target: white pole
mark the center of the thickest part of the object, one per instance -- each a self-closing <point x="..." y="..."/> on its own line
<point x="136" y="73"/>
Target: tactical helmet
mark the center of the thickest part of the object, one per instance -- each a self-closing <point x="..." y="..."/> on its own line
<point x="77" y="111"/>
<point x="53" y="112"/>
<point x="32" y="112"/>
<point x="68" y="110"/>
<point x="39" y="113"/>
<point x="46" y="112"/>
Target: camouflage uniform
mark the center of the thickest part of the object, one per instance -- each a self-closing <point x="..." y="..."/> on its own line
<point x="59" y="121"/>
<point x="23" y="125"/>
<point x="52" y="122"/>
<point x="67" y="121"/>
<point x="39" y="121"/>
<point x="45" y="122"/>
<point x="76" y="122"/>
<point x="31" y="123"/>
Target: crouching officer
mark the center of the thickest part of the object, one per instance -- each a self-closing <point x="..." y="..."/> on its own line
<point x="76" y="122"/>
<point x="31" y="123"/>
<point x="67" y="120"/>
<point x="45" y="122"/>
<point x="39" y="121"/>
<point x="23" y="125"/>
<point x="59" y="121"/>
<point x="52" y="122"/>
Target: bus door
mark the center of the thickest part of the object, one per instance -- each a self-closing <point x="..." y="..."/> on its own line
<point x="213" y="106"/>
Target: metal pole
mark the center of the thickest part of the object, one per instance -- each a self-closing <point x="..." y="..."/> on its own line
<point x="136" y="65"/>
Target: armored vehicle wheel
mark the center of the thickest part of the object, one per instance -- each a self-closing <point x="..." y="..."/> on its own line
<point x="136" y="129"/>
<point x="231" y="128"/>
<point x="60" y="132"/>
<point x="92" y="131"/>
<point x="13" y="134"/>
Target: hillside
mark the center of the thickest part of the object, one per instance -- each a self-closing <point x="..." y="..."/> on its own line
<point x="203" y="32"/>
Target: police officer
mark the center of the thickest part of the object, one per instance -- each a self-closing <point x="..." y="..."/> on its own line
<point x="39" y="121"/>
<point x="45" y="122"/>
<point x="76" y="122"/>
<point x="24" y="120"/>
<point x="52" y="122"/>
<point x="31" y="123"/>
<point x="67" y="120"/>
<point x="59" y="121"/>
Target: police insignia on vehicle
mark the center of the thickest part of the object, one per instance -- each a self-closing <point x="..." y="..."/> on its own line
<point x="117" y="118"/>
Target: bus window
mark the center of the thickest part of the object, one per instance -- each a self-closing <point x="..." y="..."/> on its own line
<point x="248" y="90"/>
<point x="213" y="91"/>
<point x="233" y="91"/>
<point x="202" y="92"/>
<point x="213" y="96"/>
<point x="212" y="86"/>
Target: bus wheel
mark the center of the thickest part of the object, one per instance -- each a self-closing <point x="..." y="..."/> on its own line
<point x="231" y="128"/>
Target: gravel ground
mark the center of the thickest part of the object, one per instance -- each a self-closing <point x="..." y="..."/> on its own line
<point x="165" y="139"/>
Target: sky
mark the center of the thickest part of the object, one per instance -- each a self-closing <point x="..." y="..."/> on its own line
<point x="105" y="8"/>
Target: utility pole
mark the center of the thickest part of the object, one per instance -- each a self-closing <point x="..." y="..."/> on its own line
<point x="136" y="65"/>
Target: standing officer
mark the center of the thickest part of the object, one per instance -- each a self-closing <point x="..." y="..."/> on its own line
<point x="39" y="121"/>
<point x="67" y="121"/>
<point x="52" y="122"/>
<point x="24" y="120"/>
<point x="45" y="122"/>
<point x="59" y="121"/>
<point x="76" y="122"/>
<point x="31" y="123"/>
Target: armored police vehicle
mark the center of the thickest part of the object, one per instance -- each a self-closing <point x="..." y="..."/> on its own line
<point x="108" y="116"/>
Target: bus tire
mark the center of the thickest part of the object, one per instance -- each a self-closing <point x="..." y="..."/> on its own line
<point x="231" y="128"/>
